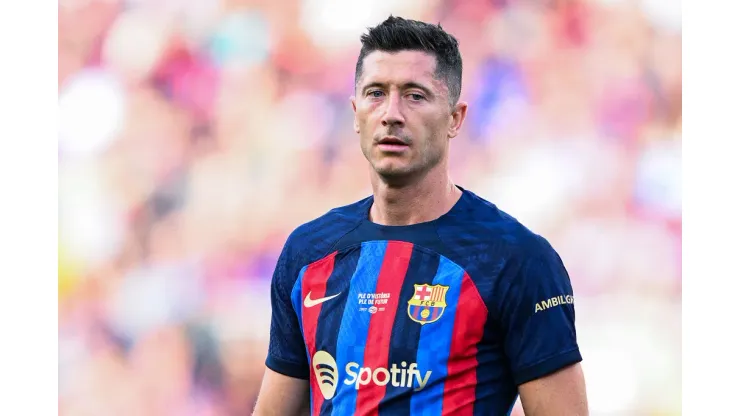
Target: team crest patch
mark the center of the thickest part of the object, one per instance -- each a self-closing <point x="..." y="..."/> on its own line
<point x="428" y="303"/>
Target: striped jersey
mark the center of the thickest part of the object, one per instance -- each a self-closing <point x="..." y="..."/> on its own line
<point x="446" y="317"/>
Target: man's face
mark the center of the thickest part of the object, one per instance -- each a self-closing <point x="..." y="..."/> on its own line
<point x="403" y="113"/>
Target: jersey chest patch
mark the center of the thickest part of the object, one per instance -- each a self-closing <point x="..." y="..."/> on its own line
<point x="428" y="303"/>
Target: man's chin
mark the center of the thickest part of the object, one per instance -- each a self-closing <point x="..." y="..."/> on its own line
<point x="392" y="169"/>
<point x="395" y="174"/>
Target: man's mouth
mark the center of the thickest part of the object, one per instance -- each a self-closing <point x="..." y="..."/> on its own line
<point x="392" y="144"/>
<point x="392" y="140"/>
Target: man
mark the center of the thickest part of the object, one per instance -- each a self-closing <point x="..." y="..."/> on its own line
<point x="423" y="299"/>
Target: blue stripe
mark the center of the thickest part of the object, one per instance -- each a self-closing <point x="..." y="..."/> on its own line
<point x="435" y="343"/>
<point x="355" y="324"/>
<point x="295" y="298"/>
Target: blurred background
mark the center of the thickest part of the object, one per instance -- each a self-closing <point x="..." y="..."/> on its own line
<point x="195" y="135"/>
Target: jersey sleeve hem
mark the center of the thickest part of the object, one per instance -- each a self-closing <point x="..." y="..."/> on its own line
<point x="287" y="368"/>
<point x="547" y="366"/>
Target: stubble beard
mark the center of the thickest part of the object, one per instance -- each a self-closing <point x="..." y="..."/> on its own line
<point x="416" y="168"/>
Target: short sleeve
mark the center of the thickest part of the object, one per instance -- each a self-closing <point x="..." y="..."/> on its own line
<point x="537" y="315"/>
<point x="287" y="350"/>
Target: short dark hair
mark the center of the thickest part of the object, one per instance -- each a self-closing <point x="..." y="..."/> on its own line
<point x="397" y="34"/>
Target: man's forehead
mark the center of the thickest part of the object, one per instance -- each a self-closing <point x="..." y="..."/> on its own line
<point x="400" y="67"/>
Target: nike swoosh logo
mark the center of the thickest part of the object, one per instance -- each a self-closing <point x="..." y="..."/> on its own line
<point x="309" y="303"/>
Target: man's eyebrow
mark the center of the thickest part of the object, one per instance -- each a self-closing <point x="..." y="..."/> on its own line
<point x="373" y="85"/>
<point x="405" y="86"/>
<point x="416" y="85"/>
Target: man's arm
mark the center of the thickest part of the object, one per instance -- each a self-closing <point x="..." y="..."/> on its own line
<point x="285" y="389"/>
<point x="536" y="310"/>
<point x="281" y="395"/>
<point x="560" y="393"/>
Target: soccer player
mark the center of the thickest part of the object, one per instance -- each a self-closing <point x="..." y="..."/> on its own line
<point x="422" y="299"/>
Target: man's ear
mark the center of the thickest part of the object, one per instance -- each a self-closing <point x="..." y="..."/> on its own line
<point x="457" y="118"/>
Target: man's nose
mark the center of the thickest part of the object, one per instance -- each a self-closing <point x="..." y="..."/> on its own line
<point x="393" y="114"/>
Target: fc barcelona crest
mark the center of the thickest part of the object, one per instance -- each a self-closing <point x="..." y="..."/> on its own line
<point x="428" y="303"/>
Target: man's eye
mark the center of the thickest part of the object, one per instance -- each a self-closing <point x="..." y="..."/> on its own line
<point x="375" y="93"/>
<point x="417" y="97"/>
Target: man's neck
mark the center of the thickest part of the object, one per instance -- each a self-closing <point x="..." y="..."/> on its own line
<point x="420" y="201"/>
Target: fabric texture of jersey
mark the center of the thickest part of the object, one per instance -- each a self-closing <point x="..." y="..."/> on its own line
<point x="439" y="318"/>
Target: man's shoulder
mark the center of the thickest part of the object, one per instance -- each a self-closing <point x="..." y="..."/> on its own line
<point x="484" y="222"/>
<point x="316" y="238"/>
<point x="492" y="245"/>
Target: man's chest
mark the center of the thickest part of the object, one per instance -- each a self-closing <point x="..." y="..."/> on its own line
<point x="389" y="307"/>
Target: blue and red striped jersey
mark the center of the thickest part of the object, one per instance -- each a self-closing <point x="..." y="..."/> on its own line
<point x="439" y="318"/>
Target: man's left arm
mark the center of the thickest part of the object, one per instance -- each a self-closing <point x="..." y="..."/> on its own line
<point x="537" y="313"/>
<point x="560" y="393"/>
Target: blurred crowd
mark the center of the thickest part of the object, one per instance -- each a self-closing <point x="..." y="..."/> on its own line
<point x="195" y="135"/>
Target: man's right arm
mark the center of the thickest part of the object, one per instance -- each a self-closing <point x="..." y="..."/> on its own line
<point x="282" y="395"/>
<point x="285" y="389"/>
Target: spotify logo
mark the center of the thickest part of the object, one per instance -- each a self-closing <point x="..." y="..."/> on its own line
<point x="325" y="369"/>
<point x="403" y="376"/>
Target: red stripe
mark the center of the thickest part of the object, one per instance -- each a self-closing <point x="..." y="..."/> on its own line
<point x="314" y="281"/>
<point x="392" y="273"/>
<point x="459" y="392"/>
